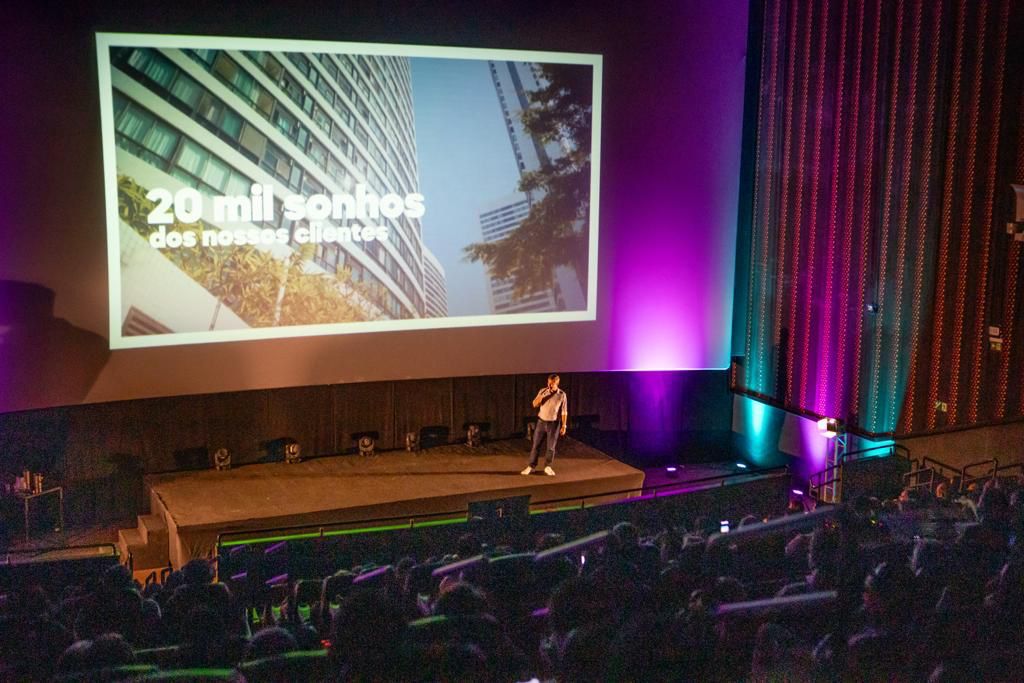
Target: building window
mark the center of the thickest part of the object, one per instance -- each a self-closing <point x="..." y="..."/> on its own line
<point x="270" y="64"/>
<point x="253" y="142"/>
<point x="231" y="124"/>
<point x="318" y="153"/>
<point x="275" y="160"/>
<point x="153" y="140"/>
<point x="324" y="88"/>
<point x="336" y="170"/>
<point x="321" y="119"/>
<point x="339" y="140"/>
<point x="156" y="67"/>
<point x="187" y="91"/>
<point x="207" y="56"/>
<point x="285" y="121"/>
<point x="192" y="158"/>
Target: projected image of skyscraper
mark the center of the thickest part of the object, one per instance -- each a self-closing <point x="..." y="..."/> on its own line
<point x="496" y="222"/>
<point x="435" y="289"/>
<point x="512" y="83"/>
<point x="220" y="121"/>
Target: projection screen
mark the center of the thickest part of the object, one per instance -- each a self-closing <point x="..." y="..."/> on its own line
<point x="259" y="189"/>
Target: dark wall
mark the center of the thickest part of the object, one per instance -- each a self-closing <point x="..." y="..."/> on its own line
<point x="671" y="118"/>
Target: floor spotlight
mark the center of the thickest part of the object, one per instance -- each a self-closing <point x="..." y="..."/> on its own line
<point x="412" y="441"/>
<point x="741" y="465"/>
<point x="434" y="435"/>
<point x="292" y="452"/>
<point x="473" y="436"/>
<point x="222" y="459"/>
<point x="475" y="433"/>
<point x="366" y="442"/>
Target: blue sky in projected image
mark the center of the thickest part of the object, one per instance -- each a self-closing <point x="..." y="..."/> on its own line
<point x="465" y="162"/>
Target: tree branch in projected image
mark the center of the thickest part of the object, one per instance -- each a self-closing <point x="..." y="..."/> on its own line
<point x="557" y="230"/>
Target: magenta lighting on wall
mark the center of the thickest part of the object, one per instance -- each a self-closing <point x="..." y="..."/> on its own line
<point x="672" y="254"/>
<point x="886" y="137"/>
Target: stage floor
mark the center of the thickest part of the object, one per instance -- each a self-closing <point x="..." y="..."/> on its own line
<point x="199" y="505"/>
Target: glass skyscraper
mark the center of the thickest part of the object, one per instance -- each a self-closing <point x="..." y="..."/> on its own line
<point x="496" y="222"/>
<point x="512" y="81"/>
<point x="304" y="123"/>
<point x="435" y="291"/>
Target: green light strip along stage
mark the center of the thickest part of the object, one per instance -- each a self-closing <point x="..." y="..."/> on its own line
<point x="558" y="509"/>
<point x="343" y="532"/>
<point x="368" y="529"/>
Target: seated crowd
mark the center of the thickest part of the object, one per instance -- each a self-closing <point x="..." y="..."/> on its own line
<point x="906" y="590"/>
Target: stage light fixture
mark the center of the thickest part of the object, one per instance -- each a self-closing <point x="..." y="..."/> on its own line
<point x="292" y="452"/>
<point x="222" y="459"/>
<point x="829" y="427"/>
<point x="432" y="436"/>
<point x="475" y="432"/>
<point x="473" y="438"/>
<point x="798" y="493"/>
<point x="412" y="441"/>
<point x="366" y="442"/>
<point x="741" y="465"/>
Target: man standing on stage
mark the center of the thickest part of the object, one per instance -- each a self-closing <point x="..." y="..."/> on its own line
<point x="552" y="414"/>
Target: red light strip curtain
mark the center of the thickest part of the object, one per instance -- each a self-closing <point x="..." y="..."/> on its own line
<point x="887" y="135"/>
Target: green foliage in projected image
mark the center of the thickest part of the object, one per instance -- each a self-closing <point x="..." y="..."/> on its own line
<point x="262" y="290"/>
<point x="557" y="230"/>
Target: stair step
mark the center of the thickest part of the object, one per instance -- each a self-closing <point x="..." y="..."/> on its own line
<point x="126" y="540"/>
<point x="153" y="528"/>
<point x="152" y="555"/>
<point x="128" y="537"/>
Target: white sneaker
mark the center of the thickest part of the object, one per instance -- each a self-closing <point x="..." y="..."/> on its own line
<point x="548" y="471"/>
<point x="528" y="470"/>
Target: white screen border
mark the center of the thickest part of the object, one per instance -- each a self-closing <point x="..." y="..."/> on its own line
<point x="106" y="40"/>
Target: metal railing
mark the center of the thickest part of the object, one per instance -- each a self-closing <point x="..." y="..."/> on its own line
<point x="929" y="472"/>
<point x="920" y="478"/>
<point x="1005" y="470"/>
<point x="395" y="523"/>
<point x="925" y="474"/>
<point x="833" y="474"/>
<point x="966" y="481"/>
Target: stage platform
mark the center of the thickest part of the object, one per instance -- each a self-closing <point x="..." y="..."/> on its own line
<point x="196" y="506"/>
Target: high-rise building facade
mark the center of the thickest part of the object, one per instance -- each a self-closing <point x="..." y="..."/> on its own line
<point x="512" y="81"/>
<point x="304" y="123"/>
<point x="497" y="221"/>
<point x="435" y="288"/>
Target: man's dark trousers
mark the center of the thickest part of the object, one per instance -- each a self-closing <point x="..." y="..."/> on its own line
<point x="548" y="430"/>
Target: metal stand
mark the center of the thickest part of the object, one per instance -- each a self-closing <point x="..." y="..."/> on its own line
<point x="832" y="491"/>
<point x="59" y="490"/>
